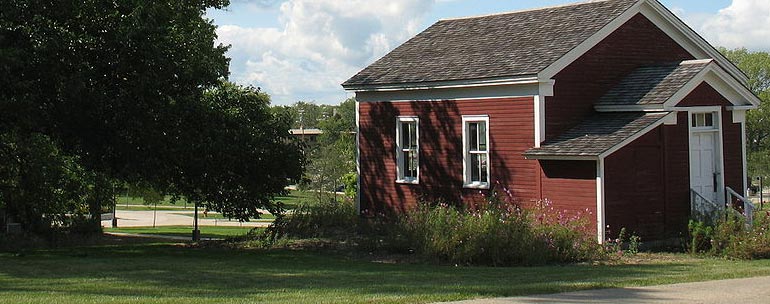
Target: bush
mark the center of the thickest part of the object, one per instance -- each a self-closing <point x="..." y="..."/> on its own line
<point x="731" y="238"/>
<point x="495" y="231"/>
<point x="326" y="219"/>
<point x="499" y="234"/>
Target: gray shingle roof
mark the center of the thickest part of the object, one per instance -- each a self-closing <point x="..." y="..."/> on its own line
<point x="597" y="134"/>
<point x="653" y="84"/>
<point x="494" y="46"/>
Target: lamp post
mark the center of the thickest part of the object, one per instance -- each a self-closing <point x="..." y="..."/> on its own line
<point x="196" y="234"/>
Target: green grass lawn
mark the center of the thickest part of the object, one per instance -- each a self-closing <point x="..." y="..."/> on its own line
<point x="206" y="231"/>
<point x="166" y="273"/>
<point x="297" y="197"/>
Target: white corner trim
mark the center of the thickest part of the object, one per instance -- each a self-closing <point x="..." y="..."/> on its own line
<point x="636" y="136"/>
<point x="671" y="120"/>
<point x="744" y="162"/>
<point x="739" y="116"/>
<point x="539" y="109"/>
<point x="546" y="87"/>
<point x="601" y="228"/>
<point x="358" y="158"/>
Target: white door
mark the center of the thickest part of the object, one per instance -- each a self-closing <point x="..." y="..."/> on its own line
<point x="704" y="171"/>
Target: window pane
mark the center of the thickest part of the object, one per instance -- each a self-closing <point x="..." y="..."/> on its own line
<point x="694" y="120"/>
<point x="404" y="135"/>
<point x="473" y="133"/>
<point x="709" y="120"/>
<point x="413" y="135"/>
<point x="475" y="167"/>
<point x="482" y="136"/>
<point x="413" y="164"/>
<point x="483" y="167"/>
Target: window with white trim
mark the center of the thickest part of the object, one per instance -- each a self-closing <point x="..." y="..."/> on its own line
<point x="408" y="149"/>
<point x="704" y="120"/>
<point x="476" y="148"/>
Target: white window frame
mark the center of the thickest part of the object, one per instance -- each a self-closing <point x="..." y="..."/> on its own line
<point x="400" y="161"/>
<point x="467" y="183"/>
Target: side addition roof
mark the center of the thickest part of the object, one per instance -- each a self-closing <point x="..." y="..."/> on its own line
<point x="598" y="135"/>
<point x="653" y="85"/>
<point x="494" y="46"/>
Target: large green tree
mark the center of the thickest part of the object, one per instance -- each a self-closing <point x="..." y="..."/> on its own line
<point x="756" y="65"/>
<point x="133" y="91"/>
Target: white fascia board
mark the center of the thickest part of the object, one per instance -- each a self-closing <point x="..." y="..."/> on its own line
<point x="664" y="20"/>
<point x="556" y="67"/>
<point x="726" y="85"/>
<point x="629" y="108"/>
<point x="636" y="136"/>
<point x="562" y="157"/>
<point x="730" y="87"/>
<point x="471" y="83"/>
<point x="687" y="34"/>
<point x="686" y="89"/>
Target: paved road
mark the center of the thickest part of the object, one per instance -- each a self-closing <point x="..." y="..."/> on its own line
<point x="128" y="218"/>
<point x="743" y="291"/>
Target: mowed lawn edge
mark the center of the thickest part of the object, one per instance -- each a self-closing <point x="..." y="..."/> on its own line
<point x="174" y="273"/>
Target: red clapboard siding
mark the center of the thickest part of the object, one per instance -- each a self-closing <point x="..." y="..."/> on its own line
<point x="511" y="133"/>
<point x="570" y="186"/>
<point x="636" y="43"/>
<point x="635" y="191"/>
<point x="677" y="175"/>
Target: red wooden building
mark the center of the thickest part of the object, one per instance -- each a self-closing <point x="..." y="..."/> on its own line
<point x="613" y="106"/>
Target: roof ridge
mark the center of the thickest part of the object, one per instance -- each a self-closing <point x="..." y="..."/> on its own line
<point x="526" y="10"/>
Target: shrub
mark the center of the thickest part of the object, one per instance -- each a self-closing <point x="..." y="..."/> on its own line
<point x="497" y="231"/>
<point x="324" y="219"/>
<point x="493" y="231"/>
<point x="730" y="237"/>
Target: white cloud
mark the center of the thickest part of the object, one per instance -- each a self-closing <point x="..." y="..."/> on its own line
<point x="745" y="23"/>
<point x="321" y="44"/>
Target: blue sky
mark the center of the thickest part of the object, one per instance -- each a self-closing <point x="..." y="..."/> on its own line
<point x="303" y="49"/>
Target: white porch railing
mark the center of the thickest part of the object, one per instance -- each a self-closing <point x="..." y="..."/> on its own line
<point x="703" y="209"/>
<point x="748" y="207"/>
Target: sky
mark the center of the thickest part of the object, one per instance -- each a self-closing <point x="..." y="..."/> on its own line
<point x="301" y="50"/>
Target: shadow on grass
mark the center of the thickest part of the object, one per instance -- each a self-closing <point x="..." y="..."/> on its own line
<point x="170" y="272"/>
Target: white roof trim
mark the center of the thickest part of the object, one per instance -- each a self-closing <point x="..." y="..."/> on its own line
<point x="714" y="75"/>
<point x="735" y="92"/>
<point x="443" y="84"/>
<point x="636" y="136"/>
<point x="695" y="38"/>
<point x="663" y="19"/>
<point x="562" y="157"/>
<point x="629" y="108"/>
<point x="588" y="44"/>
